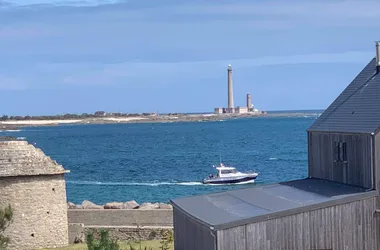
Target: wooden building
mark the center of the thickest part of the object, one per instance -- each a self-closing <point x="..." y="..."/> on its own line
<point x="336" y="207"/>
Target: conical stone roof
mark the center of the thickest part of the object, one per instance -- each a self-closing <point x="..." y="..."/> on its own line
<point x="19" y="158"/>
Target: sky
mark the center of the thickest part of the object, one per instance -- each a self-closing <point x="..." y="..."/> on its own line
<point x="172" y="55"/>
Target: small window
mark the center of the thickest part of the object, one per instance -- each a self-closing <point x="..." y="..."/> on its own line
<point x="340" y="152"/>
<point x="344" y="146"/>
<point x="227" y="171"/>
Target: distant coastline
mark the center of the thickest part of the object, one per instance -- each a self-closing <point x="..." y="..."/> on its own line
<point x="17" y="122"/>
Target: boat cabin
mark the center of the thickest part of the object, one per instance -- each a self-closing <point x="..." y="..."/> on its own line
<point x="227" y="171"/>
<point x="223" y="170"/>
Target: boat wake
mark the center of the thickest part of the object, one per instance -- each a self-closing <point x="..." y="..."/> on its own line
<point x="152" y="184"/>
<point x="228" y="184"/>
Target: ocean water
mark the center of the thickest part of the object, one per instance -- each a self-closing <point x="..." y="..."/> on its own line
<point x="155" y="162"/>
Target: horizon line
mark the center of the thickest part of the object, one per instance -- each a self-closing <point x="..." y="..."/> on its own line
<point x="166" y="113"/>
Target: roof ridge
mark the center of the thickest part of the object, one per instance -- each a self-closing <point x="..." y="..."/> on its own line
<point x="356" y="109"/>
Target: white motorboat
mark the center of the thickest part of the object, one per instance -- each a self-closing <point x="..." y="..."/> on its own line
<point x="229" y="175"/>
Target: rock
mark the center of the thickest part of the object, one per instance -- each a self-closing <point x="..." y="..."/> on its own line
<point x="122" y="205"/>
<point x="165" y="206"/>
<point x="148" y="205"/>
<point x="152" y="235"/>
<point x="78" y="207"/>
<point x="130" y="205"/>
<point x="89" y="205"/>
<point x="70" y="205"/>
<point x="78" y="239"/>
<point x="114" y="205"/>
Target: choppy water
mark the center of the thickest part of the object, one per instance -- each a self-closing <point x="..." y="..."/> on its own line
<point x="160" y="161"/>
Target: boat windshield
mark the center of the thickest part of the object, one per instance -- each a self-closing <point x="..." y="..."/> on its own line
<point x="233" y="171"/>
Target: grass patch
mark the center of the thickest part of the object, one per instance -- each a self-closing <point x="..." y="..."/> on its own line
<point x="154" y="244"/>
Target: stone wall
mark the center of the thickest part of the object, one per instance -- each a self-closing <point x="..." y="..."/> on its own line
<point x="121" y="217"/>
<point x="143" y="233"/>
<point x="123" y="224"/>
<point x="76" y="232"/>
<point x="40" y="211"/>
<point x="126" y="233"/>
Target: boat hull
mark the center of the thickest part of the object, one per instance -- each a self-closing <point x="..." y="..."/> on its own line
<point x="229" y="180"/>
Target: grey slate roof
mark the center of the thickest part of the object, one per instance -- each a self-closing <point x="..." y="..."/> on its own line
<point x="357" y="108"/>
<point x="243" y="206"/>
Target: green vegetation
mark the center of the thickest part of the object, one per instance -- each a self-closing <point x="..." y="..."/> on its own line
<point x="101" y="240"/>
<point x="6" y="216"/>
<point x="167" y="240"/>
<point x="124" y="245"/>
<point x="104" y="243"/>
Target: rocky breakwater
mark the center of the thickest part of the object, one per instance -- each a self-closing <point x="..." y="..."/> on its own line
<point x="119" y="205"/>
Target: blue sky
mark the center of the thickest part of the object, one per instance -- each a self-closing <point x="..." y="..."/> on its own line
<point x="172" y="55"/>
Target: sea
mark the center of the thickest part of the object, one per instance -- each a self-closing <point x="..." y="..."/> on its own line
<point x="156" y="162"/>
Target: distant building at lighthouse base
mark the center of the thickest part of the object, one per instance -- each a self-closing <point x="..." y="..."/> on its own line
<point x="237" y="110"/>
<point x="248" y="109"/>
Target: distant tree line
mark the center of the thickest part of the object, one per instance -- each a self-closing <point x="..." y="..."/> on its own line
<point x="73" y="116"/>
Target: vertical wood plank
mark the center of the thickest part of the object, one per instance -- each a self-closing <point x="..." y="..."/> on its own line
<point x="351" y="226"/>
<point x="358" y="169"/>
<point x="189" y="234"/>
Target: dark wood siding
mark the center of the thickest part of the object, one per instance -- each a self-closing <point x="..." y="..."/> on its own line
<point x="349" y="226"/>
<point x="309" y="159"/>
<point x="190" y="234"/>
<point x="358" y="168"/>
<point x="377" y="168"/>
<point x="233" y="238"/>
<point x="377" y="160"/>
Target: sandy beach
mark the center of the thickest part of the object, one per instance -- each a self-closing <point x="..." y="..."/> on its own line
<point x="127" y="119"/>
<point x="39" y="122"/>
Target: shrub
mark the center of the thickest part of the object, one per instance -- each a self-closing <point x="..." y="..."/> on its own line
<point x="6" y="216"/>
<point x="104" y="243"/>
<point x="167" y="238"/>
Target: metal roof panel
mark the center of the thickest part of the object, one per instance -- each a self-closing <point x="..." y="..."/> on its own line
<point x="242" y="205"/>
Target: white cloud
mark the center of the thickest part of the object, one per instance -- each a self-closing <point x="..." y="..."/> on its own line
<point x="145" y="72"/>
<point x="195" y="37"/>
<point x="363" y="8"/>
<point x="331" y="13"/>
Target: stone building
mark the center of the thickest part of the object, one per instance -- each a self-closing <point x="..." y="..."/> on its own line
<point x="34" y="185"/>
